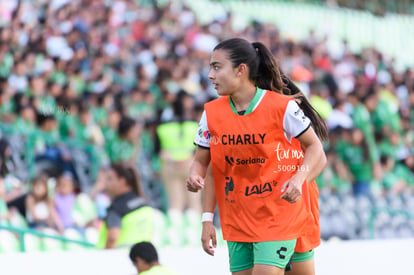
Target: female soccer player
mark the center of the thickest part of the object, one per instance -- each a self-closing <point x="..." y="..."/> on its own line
<point x="254" y="137"/>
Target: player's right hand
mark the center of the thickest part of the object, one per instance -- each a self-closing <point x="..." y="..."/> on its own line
<point x="195" y="183"/>
<point x="208" y="238"/>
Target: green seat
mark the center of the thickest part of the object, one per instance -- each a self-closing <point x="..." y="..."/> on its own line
<point x="8" y="242"/>
<point x="91" y="235"/>
<point x="17" y="220"/>
<point x="174" y="230"/>
<point x="32" y="243"/>
<point x="72" y="234"/>
<point x="192" y="235"/>
<point x="50" y="244"/>
<point x="84" y="210"/>
<point x="160" y="228"/>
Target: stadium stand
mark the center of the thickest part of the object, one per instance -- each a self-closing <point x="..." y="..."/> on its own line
<point x="73" y="73"/>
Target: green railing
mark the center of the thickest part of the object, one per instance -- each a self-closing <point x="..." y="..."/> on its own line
<point x="23" y="231"/>
<point x="392" y="212"/>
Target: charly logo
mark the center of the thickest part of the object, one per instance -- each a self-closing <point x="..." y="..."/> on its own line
<point x="246" y="139"/>
<point x="238" y="161"/>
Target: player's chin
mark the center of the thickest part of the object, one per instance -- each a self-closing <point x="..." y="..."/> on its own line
<point x="221" y="92"/>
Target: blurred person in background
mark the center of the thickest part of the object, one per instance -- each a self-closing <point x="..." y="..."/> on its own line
<point x="40" y="208"/>
<point x="11" y="191"/>
<point x="129" y="217"/>
<point x="126" y="146"/>
<point x="392" y="182"/>
<point x="65" y="199"/>
<point x="52" y="156"/>
<point x="87" y="129"/>
<point x="25" y="122"/>
<point x="176" y="136"/>
<point x="144" y="257"/>
<point x="109" y="130"/>
<point x="14" y="189"/>
<point x="363" y="103"/>
<point x="335" y="177"/>
<point x="356" y="156"/>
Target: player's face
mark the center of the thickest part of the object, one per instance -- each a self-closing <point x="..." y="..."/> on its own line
<point x="222" y="73"/>
<point x="141" y="265"/>
<point x="111" y="182"/>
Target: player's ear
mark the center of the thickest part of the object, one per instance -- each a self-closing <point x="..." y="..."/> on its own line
<point x="241" y="69"/>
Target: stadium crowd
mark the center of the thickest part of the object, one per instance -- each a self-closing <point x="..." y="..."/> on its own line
<point x="87" y="83"/>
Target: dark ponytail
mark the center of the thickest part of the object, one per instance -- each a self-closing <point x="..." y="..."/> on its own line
<point x="289" y="88"/>
<point x="270" y="77"/>
<point x="131" y="177"/>
<point x="268" y="72"/>
<point x="265" y="73"/>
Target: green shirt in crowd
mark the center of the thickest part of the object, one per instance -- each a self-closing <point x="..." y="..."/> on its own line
<point x="403" y="172"/>
<point x="45" y="139"/>
<point x="360" y="167"/>
<point x="100" y="115"/>
<point x="384" y="115"/>
<point x="121" y="150"/>
<point x="68" y="124"/>
<point x="6" y="65"/>
<point x="362" y="121"/>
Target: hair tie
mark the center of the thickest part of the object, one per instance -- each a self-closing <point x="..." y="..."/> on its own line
<point x="257" y="51"/>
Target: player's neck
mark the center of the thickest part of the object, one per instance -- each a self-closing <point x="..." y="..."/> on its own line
<point x="242" y="99"/>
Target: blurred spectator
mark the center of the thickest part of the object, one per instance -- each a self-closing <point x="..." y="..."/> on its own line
<point x="362" y="105"/>
<point x="12" y="188"/>
<point x="339" y="117"/>
<point x="320" y="99"/>
<point x="129" y="218"/>
<point x="65" y="199"/>
<point x="87" y="129"/>
<point x="125" y="147"/>
<point x="25" y="123"/>
<point x="335" y="177"/>
<point x="391" y="181"/>
<point x="51" y="155"/>
<point x="356" y="156"/>
<point x="40" y="209"/>
<point x="176" y="150"/>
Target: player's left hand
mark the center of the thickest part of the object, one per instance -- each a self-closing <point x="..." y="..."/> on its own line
<point x="208" y="238"/>
<point x="292" y="190"/>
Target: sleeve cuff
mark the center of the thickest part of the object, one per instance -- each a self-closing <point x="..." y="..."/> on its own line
<point x="303" y="131"/>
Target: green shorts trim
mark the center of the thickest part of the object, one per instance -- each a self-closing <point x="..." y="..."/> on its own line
<point x="243" y="256"/>
<point x="303" y="257"/>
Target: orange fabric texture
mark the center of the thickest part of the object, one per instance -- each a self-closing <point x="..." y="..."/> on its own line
<point x="248" y="155"/>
